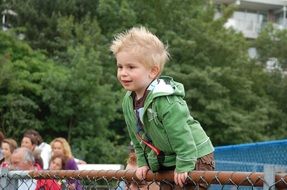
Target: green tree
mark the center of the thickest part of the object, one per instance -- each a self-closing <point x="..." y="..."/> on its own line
<point x="80" y="105"/>
<point x="271" y="43"/>
<point x="22" y="71"/>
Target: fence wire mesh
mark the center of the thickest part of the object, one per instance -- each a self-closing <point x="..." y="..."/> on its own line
<point x="126" y="179"/>
<point x="251" y="157"/>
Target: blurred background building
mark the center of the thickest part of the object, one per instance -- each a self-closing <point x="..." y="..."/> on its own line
<point x="252" y="15"/>
<point x="249" y="18"/>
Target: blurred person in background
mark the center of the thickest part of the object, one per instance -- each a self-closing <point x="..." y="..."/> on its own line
<point x="8" y="146"/>
<point x="22" y="159"/>
<point x="31" y="141"/>
<point x="57" y="162"/>
<point x="60" y="146"/>
<point x="44" y="147"/>
<point x="2" y="136"/>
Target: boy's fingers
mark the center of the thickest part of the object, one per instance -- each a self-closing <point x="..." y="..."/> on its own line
<point x="180" y="179"/>
<point x="180" y="182"/>
<point x="138" y="174"/>
<point x="176" y="178"/>
<point x="142" y="174"/>
<point x="184" y="177"/>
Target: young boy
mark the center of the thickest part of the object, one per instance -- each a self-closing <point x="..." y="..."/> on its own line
<point x="164" y="135"/>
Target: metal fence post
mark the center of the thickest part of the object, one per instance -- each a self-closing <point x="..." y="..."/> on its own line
<point x="3" y="180"/>
<point x="6" y="182"/>
<point x="269" y="177"/>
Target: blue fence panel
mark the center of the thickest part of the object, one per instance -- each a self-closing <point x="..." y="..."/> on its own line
<point x="251" y="157"/>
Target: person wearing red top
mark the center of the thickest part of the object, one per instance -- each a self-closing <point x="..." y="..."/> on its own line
<point x="57" y="162"/>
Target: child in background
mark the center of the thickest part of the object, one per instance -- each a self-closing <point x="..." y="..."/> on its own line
<point x="57" y="162"/>
<point x="164" y="134"/>
<point x="8" y="146"/>
<point x="60" y="146"/>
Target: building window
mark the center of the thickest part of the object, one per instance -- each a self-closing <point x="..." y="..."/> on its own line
<point x="248" y="23"/>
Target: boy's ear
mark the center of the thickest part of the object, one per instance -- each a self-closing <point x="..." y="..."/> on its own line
<point x="154" y="72"/>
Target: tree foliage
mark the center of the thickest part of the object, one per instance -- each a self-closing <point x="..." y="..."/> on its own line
<point x="22" y="71"/>
<point x="272" y="44"/>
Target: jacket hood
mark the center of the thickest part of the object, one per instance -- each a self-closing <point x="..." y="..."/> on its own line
<point x="166" y="86"/>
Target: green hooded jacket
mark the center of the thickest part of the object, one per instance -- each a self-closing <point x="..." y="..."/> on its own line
<point x="169" y="125"/>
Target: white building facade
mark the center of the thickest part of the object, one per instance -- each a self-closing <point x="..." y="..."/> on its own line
<point x="252" y="15"/>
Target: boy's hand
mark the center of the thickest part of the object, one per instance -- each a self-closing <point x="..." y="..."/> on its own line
<point x="179" y="178"/>
<point x="141" y="172"/>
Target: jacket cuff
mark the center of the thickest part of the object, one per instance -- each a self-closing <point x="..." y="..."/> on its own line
<point x="185" y="165"/>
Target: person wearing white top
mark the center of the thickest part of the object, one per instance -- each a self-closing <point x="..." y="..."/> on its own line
<point x="45" y="154"/>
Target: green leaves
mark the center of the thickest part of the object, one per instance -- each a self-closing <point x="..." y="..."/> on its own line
<point x="272" y="44"/>
<point x="21" y="88"/>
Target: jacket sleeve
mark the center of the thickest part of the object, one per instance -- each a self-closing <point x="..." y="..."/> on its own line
<point x="177" y="122"/>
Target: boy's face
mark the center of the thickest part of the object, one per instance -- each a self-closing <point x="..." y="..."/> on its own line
<point x="132" y="74"/>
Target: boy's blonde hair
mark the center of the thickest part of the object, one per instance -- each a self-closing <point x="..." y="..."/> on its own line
<point x="138" y="40"/>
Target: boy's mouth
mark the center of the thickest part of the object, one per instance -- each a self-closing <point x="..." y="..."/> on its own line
<point x="126" y="81"/>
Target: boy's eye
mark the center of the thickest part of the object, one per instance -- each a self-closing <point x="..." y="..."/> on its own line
<point x="131" y="67"/>
<point x="119" y="66"/>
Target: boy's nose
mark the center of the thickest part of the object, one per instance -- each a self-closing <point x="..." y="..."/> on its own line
<point x="123" y="72"/>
